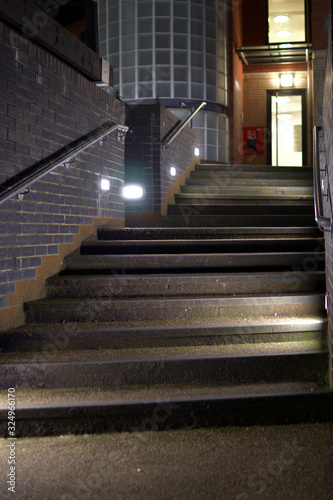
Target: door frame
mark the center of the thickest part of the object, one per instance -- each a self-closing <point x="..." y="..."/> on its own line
<point x="286" y="92"/>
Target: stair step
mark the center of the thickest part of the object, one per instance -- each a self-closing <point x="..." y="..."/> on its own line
<point x="240" y="210"/>
<point x="180" y="246"/>
<point x="54" y="337"/>
<point x="222" y="179"/>
<point x="264" y="200"/>
<point x="121" y="265"/>
<point x="192" y="218"/>
<point x="198" y="233"/>
<point x="169" y="285"/>
<point x="220" y="364"/>
<point x="46" y="398"/>
<point x="105" y="309"/>
<point x="172" y="411"/>
<point x="248" y="190"/>
<point x="219" y="232"/>
<point x="254" y="170"/>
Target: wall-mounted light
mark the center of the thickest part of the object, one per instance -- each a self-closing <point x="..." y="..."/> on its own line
<point x="173" y="171"/>
<point x="282" y="18"/>
<point x="132" y="192"/>
<point x="197" y="151"/>
<point x="286" y="80"/>
<point x="105" y="184"/>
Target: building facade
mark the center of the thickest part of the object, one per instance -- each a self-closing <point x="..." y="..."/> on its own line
<point x="173" y="52"/>
<point x="232" y="56"/>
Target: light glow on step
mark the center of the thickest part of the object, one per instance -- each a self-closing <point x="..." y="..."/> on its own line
<point x="132" y="192"/>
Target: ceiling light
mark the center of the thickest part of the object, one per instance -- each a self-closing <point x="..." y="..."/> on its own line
<point x="132" y="192"/>
<point x="286" y="80"/>
<point x="281" y="18"/>
<point x="283" y="33"/>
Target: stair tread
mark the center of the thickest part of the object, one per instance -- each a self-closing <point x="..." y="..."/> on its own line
<point x="71" y="397"/>
<point x="213" y="241"/>
<point x="164" y="354"/>
<point x="243" y="299"/>
<point x="199" y="284"/>
<point x="198" y="232"/>
<point x="236" y="169"/>
<point x="271" y="275"/>
<point x="186" y="262"/>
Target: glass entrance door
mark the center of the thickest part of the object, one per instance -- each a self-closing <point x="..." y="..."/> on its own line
<point x="286" y="123"/>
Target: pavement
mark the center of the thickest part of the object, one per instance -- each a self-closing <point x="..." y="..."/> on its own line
<point x="231" y="463"/>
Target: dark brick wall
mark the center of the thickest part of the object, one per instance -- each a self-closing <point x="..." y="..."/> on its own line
<point x="44" y="105"/>
<point x="254" y="22"/>
<point x="147" y="163"/>
<point x="319" y="10"/>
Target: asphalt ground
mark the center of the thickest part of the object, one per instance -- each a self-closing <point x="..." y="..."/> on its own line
<point x="236" y="463"/>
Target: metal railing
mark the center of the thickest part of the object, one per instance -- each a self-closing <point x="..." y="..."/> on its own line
<point x="166" y="143"/>
<point x="20" y="183"/>
<point x="323" y="222"/>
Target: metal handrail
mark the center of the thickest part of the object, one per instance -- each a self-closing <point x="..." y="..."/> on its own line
<point x="166" y="143"/>
<point x="17" y="184"/>
<point x="318" y="203"/>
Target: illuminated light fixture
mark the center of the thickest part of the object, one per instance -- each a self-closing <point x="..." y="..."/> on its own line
<point x="105" y="184"/>
<point x="173" y="171"/>
<point x="283" y="33"/>
<point x="285" y="45"/>
<point x="281" y="99"/>
<point x="132" y="192"/>
<point x="284" y="116"/>
<point x="286" y="80"/>
<point x="283" y="18"/>
<point x="196" y="151"/>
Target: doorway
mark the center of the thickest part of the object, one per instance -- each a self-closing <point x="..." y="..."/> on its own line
<point x="287" y="128"/>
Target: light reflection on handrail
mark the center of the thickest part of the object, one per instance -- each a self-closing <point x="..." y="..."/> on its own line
<point x="166" y="143"/>
<point x="16" y="185"/>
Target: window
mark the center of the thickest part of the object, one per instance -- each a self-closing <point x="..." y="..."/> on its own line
<point x="286" y="21"/>
<point x="145" y="9"/>
<point x="181" y="90"/>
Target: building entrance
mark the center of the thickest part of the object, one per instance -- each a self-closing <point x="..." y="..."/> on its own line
<point x="287" y="127"/>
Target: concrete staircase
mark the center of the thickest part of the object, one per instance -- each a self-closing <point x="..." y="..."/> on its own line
<point x="215" y="318"/>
